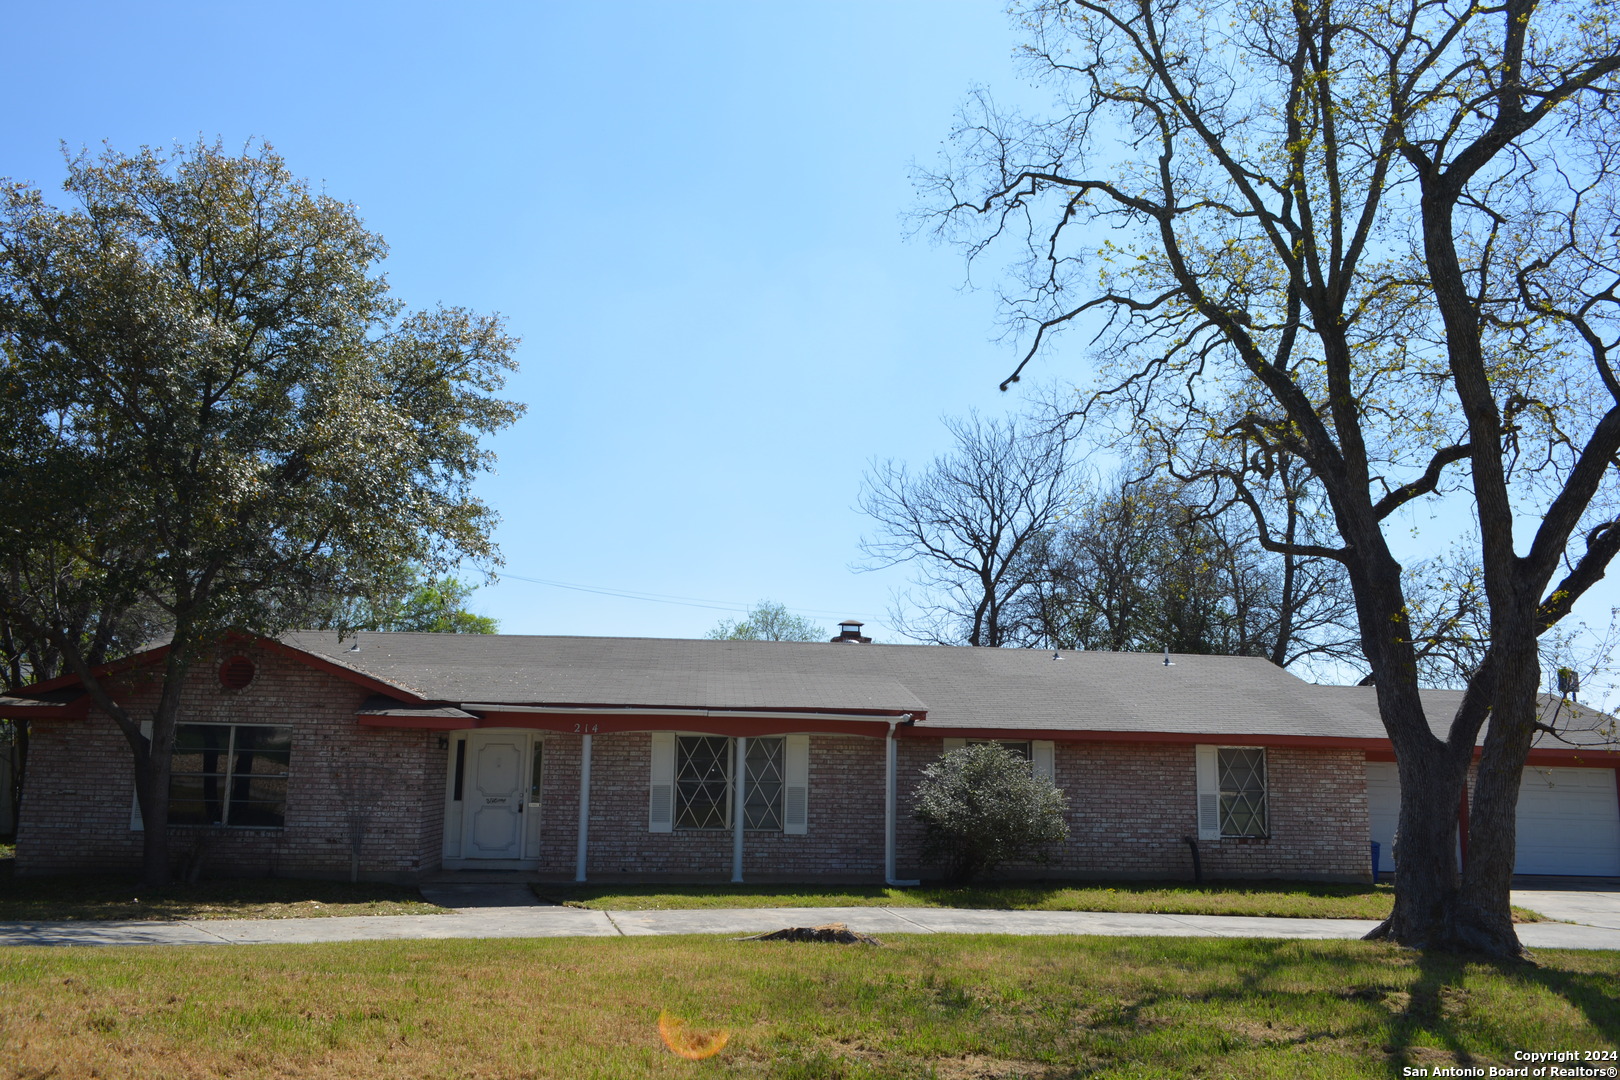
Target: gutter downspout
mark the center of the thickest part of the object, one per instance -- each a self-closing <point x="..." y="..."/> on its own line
<point x="584" y="807"/>
<point x="889" y="808"/>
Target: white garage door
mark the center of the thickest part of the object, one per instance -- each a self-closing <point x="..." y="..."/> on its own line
<point x="1569" y="820"/>
<point x="1383" y="810"/>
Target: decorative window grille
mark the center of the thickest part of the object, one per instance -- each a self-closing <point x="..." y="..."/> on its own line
<point x="765" y="782"/>
<point x="703" y="782"/>
<point x="1243" y="792"/>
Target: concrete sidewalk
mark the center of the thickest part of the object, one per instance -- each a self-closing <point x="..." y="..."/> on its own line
<point x="1596" y="924"/>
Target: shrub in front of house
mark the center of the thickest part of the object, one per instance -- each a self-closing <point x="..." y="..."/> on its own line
<point x="983" y="806"/>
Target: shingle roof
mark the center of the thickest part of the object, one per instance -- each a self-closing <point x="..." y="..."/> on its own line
<point x="1000" y="689"/>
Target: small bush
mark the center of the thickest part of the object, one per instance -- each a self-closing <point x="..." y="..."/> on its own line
<point x="984" y="806"/>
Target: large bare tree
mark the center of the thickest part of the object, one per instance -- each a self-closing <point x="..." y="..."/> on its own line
<point x="1148" y="563"/>
<point x="969" y="524"/>
<point x="1374" y="236"/>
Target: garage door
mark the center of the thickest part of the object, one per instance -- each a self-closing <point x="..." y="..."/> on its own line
<point x="1568" y="820"/>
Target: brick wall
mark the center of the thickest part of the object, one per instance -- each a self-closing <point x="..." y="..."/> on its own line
<point x="844" y="841"/>
<point x="76" y="809"/>
<point x="1130" y="805"/>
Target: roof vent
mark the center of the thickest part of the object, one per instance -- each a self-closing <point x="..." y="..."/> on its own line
<point x="849" y="631"/>
<point x="236" y="673"/>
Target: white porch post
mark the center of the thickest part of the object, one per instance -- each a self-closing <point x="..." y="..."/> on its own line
<point x="740" y="797"/>
<point x="890" y="809"/>
<point x="584" y="807"/>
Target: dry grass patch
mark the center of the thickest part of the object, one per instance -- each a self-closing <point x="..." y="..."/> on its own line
<point x="959" y="1007"/>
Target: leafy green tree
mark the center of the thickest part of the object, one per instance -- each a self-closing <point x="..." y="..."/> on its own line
<point x="416" y="604"/>
<point x="210" y="404"/>
<point x="983" y="806"/>
<point x="768" y="621"/>
<point x="1375" y="237"/>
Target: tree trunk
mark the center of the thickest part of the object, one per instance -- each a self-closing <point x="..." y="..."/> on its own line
<point x="152" y="790"/>
<point x="1426" y="877"/>
<point x="1484" y="916"/>
<point x="154" y="760"/>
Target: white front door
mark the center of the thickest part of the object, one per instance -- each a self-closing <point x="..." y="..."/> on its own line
<point x="493" y="805"/>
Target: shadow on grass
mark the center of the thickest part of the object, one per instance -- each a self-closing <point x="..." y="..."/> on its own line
<point x="1440" y="1006"/>
<point x="1422" y="1010"/>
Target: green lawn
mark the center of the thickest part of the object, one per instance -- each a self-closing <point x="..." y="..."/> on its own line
<point x="107" y="896"/>
<point x="923" y="1006"/>
<point x="1288" y="899"/>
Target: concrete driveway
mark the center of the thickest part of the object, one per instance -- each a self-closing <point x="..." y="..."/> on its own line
<point x="1593" y="914"/>
<point x="1589" y="905"/>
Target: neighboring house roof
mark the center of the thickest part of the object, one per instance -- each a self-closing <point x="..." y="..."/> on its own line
<point x="1579" y="726"/>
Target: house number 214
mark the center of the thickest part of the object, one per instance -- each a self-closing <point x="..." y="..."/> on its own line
<point x="587" y="729"/>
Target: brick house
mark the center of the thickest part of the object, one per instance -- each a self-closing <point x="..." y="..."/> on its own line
<point x="398" y="756"/>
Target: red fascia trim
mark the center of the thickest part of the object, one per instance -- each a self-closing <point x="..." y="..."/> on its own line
<point x="598" y="724"/>
<point x="655" y="709"/>
<point x="1334" y="742"/>
<point x="1597" y="758"/>
<point x="116" y="667"/>
<point x="152" y="656"/>
<point x="1588" y="759"/>
<point x="77" y="709"/>
<point x="429" y="723"/>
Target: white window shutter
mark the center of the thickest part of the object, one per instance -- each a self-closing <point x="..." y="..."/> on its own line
<point x="1044" y="756"/>
<point x="135" y="822"/>
<point x="954" y="744"/>
<point x="796" y="785"/>
<point x="1209" y="793"/>
<point x="661" y="789"/>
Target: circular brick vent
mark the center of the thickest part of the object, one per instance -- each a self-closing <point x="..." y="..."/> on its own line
<point x="236" y="673"/>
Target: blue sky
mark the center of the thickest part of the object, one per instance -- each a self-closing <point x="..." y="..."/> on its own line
<point x="690" y="212"/>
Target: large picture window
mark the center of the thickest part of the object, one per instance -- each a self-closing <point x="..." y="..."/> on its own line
<point x="230" y="774"/>
<point x="703" y="782"/>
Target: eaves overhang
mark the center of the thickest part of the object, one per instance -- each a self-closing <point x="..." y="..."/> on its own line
<point x="603" y="719"/>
